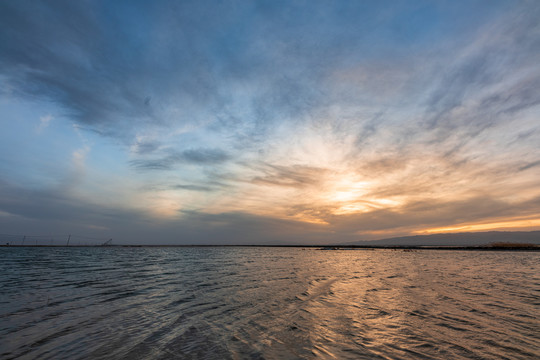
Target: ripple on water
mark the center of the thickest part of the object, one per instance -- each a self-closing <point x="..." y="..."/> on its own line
<point x="272" y="303"/>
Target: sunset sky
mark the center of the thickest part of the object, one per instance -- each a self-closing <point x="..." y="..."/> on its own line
<point x="234" y="122"/>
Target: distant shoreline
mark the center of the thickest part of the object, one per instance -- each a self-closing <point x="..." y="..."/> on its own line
<point x="505" y="247"/>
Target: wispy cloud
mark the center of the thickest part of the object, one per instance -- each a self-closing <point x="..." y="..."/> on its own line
<point x="297" y="176"/>
<point x="193" y="187"/>
<point x="44" y="122"/>
<point x="334" y="117"/>
<point x="201" y="156"/>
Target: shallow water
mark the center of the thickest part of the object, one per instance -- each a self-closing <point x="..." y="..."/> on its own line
<point x="271" y="303"/>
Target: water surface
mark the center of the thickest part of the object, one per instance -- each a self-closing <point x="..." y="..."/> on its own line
<point x="271" y="303"/>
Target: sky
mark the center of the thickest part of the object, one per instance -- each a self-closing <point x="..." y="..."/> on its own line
<point x="268" y="122"/>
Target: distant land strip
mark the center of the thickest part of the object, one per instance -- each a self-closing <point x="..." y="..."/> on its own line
<point x="491" y="240"/>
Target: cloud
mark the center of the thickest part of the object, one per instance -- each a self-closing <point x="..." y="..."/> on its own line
<point x="128" y="65"/>
<point x="46" y="204"/>
<point x="204" y="156"/>
<point x="430" y="213"/>
<point x="48" y="211"/>
<point x="358" y="116"/>
<point x="529" y="165"/>
<point x="70" y="54"/>
<point x="44" y="122"/>
<point x="200" y="156"/>
<point x="492" y="76"/>
<point x="191" y="187"/>
<point x="296" y="176"/>
<point x="144" y="147"/>
<point x="243" y="79"/>
<point x="194" y="188"/>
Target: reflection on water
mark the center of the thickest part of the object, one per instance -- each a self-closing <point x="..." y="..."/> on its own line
<point x="272" y="303"/>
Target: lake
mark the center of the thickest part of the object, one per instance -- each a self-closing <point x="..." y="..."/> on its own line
<point x="267" y="303"/>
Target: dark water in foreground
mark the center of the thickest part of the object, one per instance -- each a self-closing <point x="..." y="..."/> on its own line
<point x="272" y="303"/>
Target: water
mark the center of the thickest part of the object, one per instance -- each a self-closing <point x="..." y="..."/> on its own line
<point x="271" y="303"/>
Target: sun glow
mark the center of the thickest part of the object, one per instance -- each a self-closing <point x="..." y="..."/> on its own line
<point x="163" y="205"/>
<point x="345" y="190"/>
<point x="351" y="209"/>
